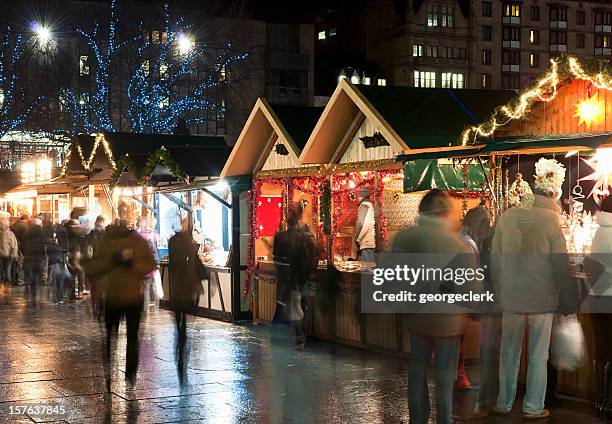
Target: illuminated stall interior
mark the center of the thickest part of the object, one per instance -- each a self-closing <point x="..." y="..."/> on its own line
<point x="359" y="135"/>
<point x="268" y="148"/>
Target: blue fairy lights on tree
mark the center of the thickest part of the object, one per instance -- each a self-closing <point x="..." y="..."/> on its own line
<point x="13" y="108"/>
<point x="171" y="79"/>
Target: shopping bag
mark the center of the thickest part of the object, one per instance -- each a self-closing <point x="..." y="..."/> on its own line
<point x="567" y="348"/>
<point x="157" y="285"/>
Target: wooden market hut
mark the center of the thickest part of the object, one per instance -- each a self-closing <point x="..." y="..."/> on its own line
<point x="358" y="137"/>
<point x="567" y="115"/>
<point x="268" y="149"/>
<point x="148" y="170"/>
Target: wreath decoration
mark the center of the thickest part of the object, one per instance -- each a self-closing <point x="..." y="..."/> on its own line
<point x="161" y="157"/>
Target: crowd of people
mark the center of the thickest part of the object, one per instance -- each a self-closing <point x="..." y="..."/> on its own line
<point x="528" y="269"/>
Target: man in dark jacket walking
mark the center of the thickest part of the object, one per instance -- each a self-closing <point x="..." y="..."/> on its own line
<point x="34" y="255"/>
<point x="186" y="272"/>
<point x="57" y="249"/>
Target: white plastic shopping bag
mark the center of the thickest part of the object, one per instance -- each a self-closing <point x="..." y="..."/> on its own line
<point x="567" y="345"/>
<point x="157" y="285"/>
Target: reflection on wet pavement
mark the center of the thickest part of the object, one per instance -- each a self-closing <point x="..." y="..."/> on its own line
<point x="50" y="357"/>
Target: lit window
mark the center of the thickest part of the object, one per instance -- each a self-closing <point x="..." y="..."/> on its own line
<point x="321" y="35"/>
<point x="146" y="67"/>
<point x="163" y="71"/>
<point x="155" y="37"/>
<point x="432" y="16"/>
<point x="332" y="32"/>
<point x="222" y="73"/>
<point x="534" y="61"/>
<point x="431" y="51"/>
<point x="367" y="81"/>
<point x="424" y="79"/>
<point x="485" y="80"/>
<point x="447" y="16"/>
<point x="164" y="37"/>
<point x="382" y="82"/>
<point x="451" y="80"/>
<point x="164" y="103"/>
<point x="534" y="37"/>
<point x="84" y="99"/>
<point x="83" y="66"/>
<point x="512" y="10"/>
<point x="1" y="96"/>
<point x="417" y="50"/>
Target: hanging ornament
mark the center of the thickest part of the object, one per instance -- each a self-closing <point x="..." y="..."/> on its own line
<point x="396" y="196"/>
<point x="352" y="196"/>
<point x="549" y="177"/>
<point x="520" y="193"/>
<point x="601" y="164"/>
<point x="577" y="196"/>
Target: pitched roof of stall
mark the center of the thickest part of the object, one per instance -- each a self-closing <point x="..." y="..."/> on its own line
<point x="433" y="117"/>
<point x="407" y="117"/>
<point x="292" y="124"/>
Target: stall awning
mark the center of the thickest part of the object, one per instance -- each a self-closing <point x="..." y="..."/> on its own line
<point x="423" y="174"/>
<point x="510" y="145"/>
<point x="548" y="143"/>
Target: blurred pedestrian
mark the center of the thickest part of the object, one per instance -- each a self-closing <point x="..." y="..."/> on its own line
<point x="77" y="243"/>
<point x="94" y="239"/>
<point x="433" y="333"/>
<point x="186" y="275"/>
<point x="57" y="251"/>
<point x="119" y="266"/>
<point x="475" y="228"/>
<point x="19" y="228"/>
<point x="34" y="255"/>
<point x="296" y="257"/>
<point x="146" y="230"/>
<point x="9" y="251"/>
<point x="531" y="267"/>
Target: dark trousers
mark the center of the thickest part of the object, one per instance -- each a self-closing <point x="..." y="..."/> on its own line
<point x="446" y="351"/>
<point x="113" y="316"/>
<point x="6" y="269"/>
<point x="34" y="267"/>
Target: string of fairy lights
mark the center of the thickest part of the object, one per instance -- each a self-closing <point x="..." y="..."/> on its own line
<point x="589" y="110"/>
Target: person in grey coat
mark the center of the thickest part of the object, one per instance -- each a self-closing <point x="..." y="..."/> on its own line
<point x="365" y="234"/>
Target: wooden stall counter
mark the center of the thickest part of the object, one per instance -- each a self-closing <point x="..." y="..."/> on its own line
<point x="334" y="299"/>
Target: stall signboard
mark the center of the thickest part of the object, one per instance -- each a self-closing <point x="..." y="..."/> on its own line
<point x="424" y="174"/>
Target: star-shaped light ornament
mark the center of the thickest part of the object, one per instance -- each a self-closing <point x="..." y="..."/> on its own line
<point x="601" y="163"/>
<point x="590" y="111"/>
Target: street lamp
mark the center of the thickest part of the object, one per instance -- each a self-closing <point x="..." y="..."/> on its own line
<point x="43" y="34"/>
<point x="185" y="43"/>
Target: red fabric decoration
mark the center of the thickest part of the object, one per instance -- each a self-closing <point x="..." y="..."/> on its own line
<point x="268" y="211"/>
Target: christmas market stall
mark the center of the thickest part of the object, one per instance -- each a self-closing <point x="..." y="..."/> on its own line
<point x="357" y="139"/>
<point x="556" y="134"/>
<point x="268" y="149"/>
<point x="154" y="182"/>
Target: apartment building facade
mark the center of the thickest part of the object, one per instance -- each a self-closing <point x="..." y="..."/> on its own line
<point x="496" y="44"/>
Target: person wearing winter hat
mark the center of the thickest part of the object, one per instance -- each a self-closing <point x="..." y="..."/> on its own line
<point x="530" y="270"/>
<point x="365" y="237"/>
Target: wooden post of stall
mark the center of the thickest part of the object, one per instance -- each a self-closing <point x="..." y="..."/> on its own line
<point x="91" y="197"/>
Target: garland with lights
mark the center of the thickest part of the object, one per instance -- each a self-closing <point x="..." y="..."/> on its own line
<point x="544" y="90"/>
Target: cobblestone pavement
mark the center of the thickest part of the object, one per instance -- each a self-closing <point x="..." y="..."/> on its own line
<point x="51" y="371"/>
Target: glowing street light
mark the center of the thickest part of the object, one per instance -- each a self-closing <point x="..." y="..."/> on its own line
<point x="43" y="34"/>
<point x="185" y="43"/>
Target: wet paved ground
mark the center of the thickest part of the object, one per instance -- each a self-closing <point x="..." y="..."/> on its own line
<point x="51" y="356"/>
